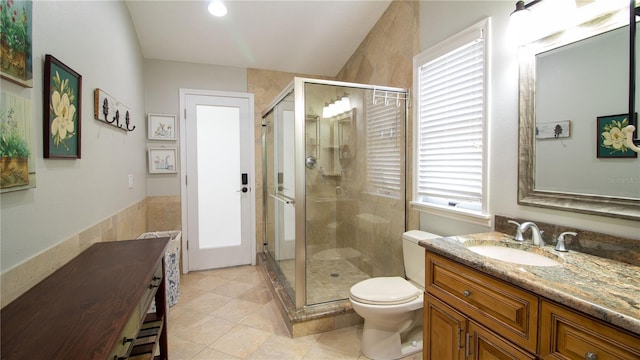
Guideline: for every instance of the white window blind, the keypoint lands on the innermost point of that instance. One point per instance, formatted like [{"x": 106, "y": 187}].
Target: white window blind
[
  {"x": 384, "y": 146},
  {"x": 451, "y": 111}
]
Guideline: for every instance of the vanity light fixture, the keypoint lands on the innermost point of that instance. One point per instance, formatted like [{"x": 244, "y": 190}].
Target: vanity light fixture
[
  {"x": 520, "y": 21},
  {"x": 521, "y": 10},
  {"x": 217, "y": 8},
  {"x": 336, "y": 107}
]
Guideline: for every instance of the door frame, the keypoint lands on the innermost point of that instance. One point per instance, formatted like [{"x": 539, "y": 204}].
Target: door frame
[{"x": 183, "y": 168}]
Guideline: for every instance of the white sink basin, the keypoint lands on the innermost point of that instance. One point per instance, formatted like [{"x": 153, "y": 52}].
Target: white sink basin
[{"x": 512, "y": 255}]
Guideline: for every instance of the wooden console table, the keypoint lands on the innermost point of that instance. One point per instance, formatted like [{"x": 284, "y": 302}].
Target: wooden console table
[{"x": 94, "y": 307}]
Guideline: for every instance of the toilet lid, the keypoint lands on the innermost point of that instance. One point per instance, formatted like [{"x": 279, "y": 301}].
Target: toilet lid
[{"x": 384, "y": 290}]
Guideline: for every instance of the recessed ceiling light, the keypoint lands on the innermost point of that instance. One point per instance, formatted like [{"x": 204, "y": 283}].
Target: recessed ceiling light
[{"x": 217, "y": 8}]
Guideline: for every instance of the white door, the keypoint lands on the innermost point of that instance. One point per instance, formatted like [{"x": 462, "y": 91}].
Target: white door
[{"x": 218, "y": 149}]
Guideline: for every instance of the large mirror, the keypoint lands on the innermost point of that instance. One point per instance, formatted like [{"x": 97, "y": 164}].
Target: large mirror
[{"x": 573, "y": 85}]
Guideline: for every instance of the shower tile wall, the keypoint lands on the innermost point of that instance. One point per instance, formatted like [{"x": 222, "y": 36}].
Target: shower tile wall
[{"x": 384, "y": 57}]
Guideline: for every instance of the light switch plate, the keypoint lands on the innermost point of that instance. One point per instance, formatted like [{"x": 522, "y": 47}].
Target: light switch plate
[{"x": 130, "y": 181}]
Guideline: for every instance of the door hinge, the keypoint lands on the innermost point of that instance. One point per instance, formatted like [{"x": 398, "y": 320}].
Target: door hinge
[
  {"x": 185, "y": 180},
  {"x": 187, "y": 245},
  {"x": 185, "y": 113},
  {"x": 460, "y": 338}
]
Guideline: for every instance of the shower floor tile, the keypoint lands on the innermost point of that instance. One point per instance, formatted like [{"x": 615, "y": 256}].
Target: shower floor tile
[{"x": 327, "y": 280}]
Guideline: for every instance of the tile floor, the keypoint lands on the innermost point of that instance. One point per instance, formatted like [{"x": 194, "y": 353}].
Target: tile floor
[{"x": 230, "y": 314}]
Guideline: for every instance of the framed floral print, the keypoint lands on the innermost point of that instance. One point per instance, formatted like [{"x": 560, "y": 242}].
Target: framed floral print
[
  {"x": 161, "y": 127},
  {"x": 611, "y": 140},
  {"x": 61, "y": 110},
  {"x": 17, "y": 159},
  {"x": 16, "y": 60},
  {"x": 162, "y": 161}
]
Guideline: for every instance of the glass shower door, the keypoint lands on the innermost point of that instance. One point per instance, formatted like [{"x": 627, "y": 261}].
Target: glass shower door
[{"x": 280, "y": 185}]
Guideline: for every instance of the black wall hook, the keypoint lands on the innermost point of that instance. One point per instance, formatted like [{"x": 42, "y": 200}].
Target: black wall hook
[
  {"x": 127, "y": 122},
  {"x": 108, "y": 109}
]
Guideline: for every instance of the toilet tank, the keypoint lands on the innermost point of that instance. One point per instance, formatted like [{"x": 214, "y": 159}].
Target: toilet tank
[{"x": 413, "y": 254}]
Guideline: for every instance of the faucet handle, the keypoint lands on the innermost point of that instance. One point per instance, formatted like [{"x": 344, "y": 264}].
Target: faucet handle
[
  {"x": 560, "y": 244},
  {"x": 518, "y": 235}
]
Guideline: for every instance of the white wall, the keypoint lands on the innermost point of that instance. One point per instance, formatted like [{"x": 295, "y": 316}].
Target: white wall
[
  {"x": 96, "y": 39},
  {"x": 163, "y": 80},
  {"x": 438, "y": 21}
]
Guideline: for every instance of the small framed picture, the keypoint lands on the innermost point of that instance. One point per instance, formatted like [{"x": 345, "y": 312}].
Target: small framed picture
[
  {"x": 161, "y": 127},
  {"x": 611, "y": 141},
  {"x": 162, "y": 161},
  {"x": 61, "y": 110}
]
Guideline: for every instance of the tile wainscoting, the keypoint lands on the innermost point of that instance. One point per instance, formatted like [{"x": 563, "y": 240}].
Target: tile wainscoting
[{"x": 154, "y": 213}]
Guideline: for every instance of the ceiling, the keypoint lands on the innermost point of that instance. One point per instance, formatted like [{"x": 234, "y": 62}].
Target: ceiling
[{"x": 299, "y": 36}]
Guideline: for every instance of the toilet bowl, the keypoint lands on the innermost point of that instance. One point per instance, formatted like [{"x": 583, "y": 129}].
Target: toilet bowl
[{"x": 392, "y": 306}]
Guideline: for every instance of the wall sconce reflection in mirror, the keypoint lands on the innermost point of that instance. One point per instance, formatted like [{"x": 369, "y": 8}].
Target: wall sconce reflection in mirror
[{"x": 109, "y": 110}]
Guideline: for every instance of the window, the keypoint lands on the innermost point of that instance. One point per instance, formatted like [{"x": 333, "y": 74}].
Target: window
[
  {"x": 451, "y": 118},
  {"x": 385, "y": 132}
]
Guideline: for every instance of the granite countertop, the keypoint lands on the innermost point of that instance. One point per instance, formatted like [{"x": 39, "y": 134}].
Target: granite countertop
[{"x": 605, "y": 289}]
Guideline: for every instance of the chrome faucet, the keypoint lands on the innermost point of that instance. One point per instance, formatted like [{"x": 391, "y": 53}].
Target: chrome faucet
[
  {"x": 518, "y": 235},
  {"x": 560, "y": 245},
  {"x": 536, "y": 235}
]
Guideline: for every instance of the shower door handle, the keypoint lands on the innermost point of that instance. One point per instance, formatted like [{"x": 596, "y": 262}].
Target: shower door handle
[
  {"x": 284, "y": 199},
  {"x": 310, "y": 162}
]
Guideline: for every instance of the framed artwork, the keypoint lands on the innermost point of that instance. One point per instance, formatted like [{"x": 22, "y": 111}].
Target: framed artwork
[
  {"x": 611, "y": 141},
  {"x": 161, "y": 127},
  {"x": 17, "y": 159},
  {"x": 61, "y": 110},
  {"x": 162, "y": 161},
  {"x": 16, "y": 61}
]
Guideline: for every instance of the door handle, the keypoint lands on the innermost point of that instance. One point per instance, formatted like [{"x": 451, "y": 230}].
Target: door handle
[
  {"x": 244, "y": 189},
  {"x": 284, "y": 199}
]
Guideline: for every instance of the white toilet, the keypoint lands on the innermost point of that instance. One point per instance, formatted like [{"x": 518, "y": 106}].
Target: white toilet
[{"x": 392, "y": 306}]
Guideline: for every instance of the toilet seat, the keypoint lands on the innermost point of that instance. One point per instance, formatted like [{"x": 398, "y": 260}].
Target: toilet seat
[{"x": 384, "y": 291}]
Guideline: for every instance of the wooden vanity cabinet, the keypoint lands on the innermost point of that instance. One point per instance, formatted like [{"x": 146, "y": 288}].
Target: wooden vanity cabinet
[
  {"x": 509, "y": 311},
  {"x": 566, "y": 334},
  {"x": 469, "y": 315}
]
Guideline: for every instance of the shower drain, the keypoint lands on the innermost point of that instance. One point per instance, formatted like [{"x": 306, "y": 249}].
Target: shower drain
[{"x": 335, "y": 275}]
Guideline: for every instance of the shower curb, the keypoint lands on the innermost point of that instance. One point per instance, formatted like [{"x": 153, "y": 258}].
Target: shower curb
[{"x": 312, "y": 319}]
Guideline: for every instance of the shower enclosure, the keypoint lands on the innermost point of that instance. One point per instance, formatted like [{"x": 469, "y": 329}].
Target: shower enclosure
[{"x": 334, "y": 186}]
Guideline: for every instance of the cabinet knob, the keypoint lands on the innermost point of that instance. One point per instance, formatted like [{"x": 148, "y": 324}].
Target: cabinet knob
[
  {"x": 590, "y": 356},
  {"x": 466, "y": 293}
]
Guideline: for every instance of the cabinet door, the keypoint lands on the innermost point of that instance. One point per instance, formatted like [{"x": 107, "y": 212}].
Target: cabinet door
[
  {"x": 566, "y": 334},
  {"x": 444, "y": 331},
  {"x": 484, "y": 345},
  {"x": 507, "y": 310}
]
